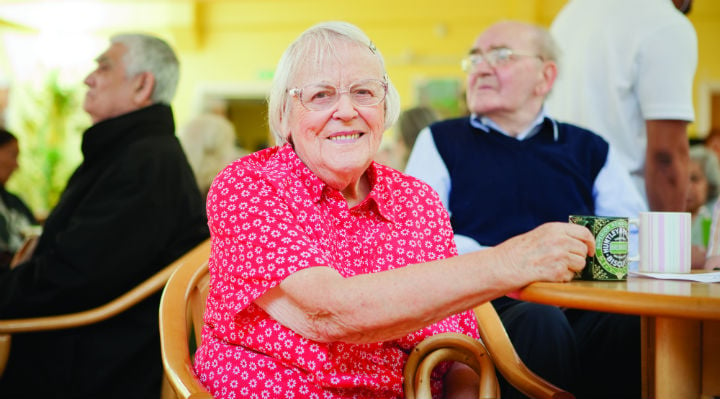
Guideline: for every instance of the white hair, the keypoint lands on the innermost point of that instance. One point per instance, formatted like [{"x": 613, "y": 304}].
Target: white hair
[{"x": 147, "y": 53}]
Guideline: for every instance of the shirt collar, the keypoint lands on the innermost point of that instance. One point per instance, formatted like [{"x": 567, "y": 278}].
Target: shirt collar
[
  {"x": 486, "y": 124},
  {"x": 300, "y": 171},
  {"x": 380, "y": 193}
]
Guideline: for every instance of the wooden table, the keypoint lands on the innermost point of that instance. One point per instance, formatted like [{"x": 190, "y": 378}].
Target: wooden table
[{"x": 680, "y": 328}]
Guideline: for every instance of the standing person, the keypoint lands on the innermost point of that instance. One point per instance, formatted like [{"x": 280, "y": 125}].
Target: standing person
[
  {"x": 128, "y": 210},
  {"x": 510, "y": 167},
  {"x": 628, "y": 70},
  {"x": 326, "y": 267},
  {"x": 17, "y": 221}
]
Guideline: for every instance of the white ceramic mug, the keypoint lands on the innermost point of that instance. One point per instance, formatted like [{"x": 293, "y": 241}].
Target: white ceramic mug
[{"x": 663, "y": 242}]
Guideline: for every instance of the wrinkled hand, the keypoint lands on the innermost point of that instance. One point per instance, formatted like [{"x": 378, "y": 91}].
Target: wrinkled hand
[{"x": 550, "y": 252}]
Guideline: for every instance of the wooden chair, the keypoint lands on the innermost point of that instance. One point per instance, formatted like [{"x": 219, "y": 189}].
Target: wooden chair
[
  {"x": 181, "y": 312},
  {"x": 495, "y": 351},
  {"x": 120, "y": 304}
]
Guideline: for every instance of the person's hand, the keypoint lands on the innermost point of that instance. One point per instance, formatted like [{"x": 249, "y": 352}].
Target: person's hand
[
  {"x": 25, "y": 251},
  {"x": 461, "y": 382},
  {"x": 697, "y": 257},
  {"x": 550, "y": 252}
]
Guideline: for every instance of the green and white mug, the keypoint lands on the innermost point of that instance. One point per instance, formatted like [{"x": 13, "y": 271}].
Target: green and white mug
[{"x": 611, "y": 247}]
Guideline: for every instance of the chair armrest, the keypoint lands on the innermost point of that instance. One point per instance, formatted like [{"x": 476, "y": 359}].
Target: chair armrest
[
  {"x": 78, "y": 319},
  {"x": 447, "y": 347},
  {"x": 94, "y": 315},
  {"x": 507, "y": 361},
  {"x": 176, "y": 313}
]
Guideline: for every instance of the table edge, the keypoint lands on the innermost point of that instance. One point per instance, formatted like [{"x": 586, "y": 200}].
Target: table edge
[{"x": 628, "y": 302}]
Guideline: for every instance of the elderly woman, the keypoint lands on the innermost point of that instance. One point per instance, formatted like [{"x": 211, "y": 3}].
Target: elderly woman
[{"x": 328, "y": 268}]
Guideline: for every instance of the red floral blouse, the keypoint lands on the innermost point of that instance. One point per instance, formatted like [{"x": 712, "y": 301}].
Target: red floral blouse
[{"x": 269, "y": 217}]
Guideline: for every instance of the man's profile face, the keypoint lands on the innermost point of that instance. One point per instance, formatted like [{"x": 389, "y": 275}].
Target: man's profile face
[{"x": 110, "y": 92}]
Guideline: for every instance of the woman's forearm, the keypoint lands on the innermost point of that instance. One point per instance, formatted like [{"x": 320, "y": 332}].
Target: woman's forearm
[{"x": 321, "y": 305}]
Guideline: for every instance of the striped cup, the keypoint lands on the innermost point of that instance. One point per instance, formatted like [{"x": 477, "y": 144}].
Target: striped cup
[{"x": 663, "y": 242}]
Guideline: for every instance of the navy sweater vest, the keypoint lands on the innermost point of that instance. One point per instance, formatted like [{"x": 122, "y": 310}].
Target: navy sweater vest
[{"x": 501, "y": 187}]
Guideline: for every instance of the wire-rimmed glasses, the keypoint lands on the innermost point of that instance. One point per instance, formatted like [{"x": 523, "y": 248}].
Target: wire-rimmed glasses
[
  {"x": 494, "y": 58},
  {"x": 322, "y": 96}
]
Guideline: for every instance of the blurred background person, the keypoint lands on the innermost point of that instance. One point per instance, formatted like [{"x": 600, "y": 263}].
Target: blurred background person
[
  {"x": 410, "y": 123},
  {"x": 17, "y": 221},
  {"x": 702, "y": 193},
  {"x": 632, "y": 84},
  {"x": 130, "y": 209},
  {"x": 209, "y": 142},
  {"x": 712, "y": 141},
  {"x": 394, "y": 152}
]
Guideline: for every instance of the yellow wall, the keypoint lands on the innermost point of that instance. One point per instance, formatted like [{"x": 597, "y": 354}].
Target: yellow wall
[
  {"x": 242, "y": 41},
  {"x": 239, "y": 42}
]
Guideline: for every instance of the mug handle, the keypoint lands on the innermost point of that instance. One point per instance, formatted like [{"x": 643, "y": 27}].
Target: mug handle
[{"x": 636, "y": 222}]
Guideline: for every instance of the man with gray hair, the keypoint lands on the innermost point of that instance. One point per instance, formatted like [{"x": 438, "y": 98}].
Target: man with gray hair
[
  {"x": 129, "y": 209},
  {"x": 509, "y": 167}
]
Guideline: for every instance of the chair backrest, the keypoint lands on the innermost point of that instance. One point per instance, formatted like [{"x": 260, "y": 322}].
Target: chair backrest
[
  {"x": 181, "y": 311},
  {"x": 91, "y": 316}
]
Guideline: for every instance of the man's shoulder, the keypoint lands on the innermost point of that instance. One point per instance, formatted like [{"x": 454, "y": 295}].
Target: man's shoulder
[
  {"x": 153, "y": 151},
  {"x": 583, "y": 141},
  {"x": 579, "y": 132},
  {"x": 449, "y": 130},
  {"x": 452, "y": 123}
]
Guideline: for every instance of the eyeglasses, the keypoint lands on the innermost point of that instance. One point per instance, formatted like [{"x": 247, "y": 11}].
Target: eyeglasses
[
  {"x": 319, "y": 96},
  {"x": 494, "y": 58}
]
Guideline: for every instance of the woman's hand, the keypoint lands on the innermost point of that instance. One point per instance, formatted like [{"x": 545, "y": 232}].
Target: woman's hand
[{"x": 550, "y": 252}]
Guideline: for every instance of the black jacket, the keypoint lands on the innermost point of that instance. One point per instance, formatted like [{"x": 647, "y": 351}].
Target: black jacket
[{"x": 130, "y": 208}]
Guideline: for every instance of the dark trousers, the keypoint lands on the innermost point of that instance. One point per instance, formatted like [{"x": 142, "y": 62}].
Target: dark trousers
[{"x": 590, "y": 354}]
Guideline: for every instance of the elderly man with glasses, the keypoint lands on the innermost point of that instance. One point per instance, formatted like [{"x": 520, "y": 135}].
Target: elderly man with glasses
[{"x": 510, "y": 167}]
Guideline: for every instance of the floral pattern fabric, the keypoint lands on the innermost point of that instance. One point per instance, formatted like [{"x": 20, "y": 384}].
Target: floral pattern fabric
[{"x": 269, "y": 217}]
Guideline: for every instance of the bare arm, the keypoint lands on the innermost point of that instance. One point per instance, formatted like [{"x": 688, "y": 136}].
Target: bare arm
[
  {"x": 666, "y": 164},
  {"x": 321, "y": 305}
]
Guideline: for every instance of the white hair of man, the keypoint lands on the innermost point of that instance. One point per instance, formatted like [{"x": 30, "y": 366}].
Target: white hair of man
[
  {"x": 147, "y": 53},
  {"x": 547, "y": 48},
  {"x": 314, "y": 45}
]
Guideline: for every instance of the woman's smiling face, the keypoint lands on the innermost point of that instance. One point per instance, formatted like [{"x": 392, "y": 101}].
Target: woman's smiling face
[{"x": 338, "y": 143}]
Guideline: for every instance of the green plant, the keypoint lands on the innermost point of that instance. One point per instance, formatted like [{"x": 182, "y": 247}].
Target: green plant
[{"x": 48, "y": 120}]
